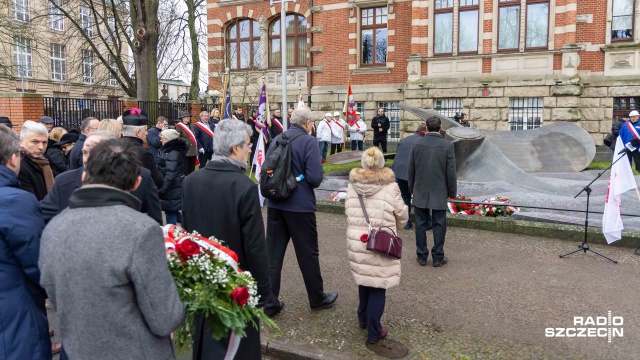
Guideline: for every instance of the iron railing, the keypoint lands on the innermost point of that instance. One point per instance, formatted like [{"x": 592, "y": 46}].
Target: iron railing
[
  {"x": 168, "y": 109},
  {"x": 69, "y": 112}
]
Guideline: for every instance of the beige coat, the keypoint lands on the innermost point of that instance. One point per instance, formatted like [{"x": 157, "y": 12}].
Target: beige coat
[{"x": 385, "y": 207}]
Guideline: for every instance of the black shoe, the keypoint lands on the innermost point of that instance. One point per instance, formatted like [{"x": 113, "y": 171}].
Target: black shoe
[
  {"x": 429, "y": 227},
  {"x": 443, "y": 262},
  {"x": 328, "y": 300},
  {"x": 422, "y": 262},
  {"x": 271, "y": 312},
  {"x": 408, "y": 225}
]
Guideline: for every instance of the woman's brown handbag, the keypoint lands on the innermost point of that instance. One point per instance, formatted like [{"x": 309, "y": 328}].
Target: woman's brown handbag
[{"x": 381, "y": 241}]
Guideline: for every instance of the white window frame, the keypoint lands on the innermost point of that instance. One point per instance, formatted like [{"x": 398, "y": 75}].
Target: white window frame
[
  {"x": 447, "y": 106},
  {"x": 112, "y": 64},
  {"x": 551, "y": 23},
  {"x": 373, "y": 27},
  {"x": 56, "y": 18},
  {"x": 58, "y": 62},
  {"x": 21, "y": 10},
  {"x": 525, "y": 113},
  {"x": 22, "y": 57},
  {"x": 88, "y": 69},
  {"x": 85, "y": 21},
  {"x": 111, "y": 28}
]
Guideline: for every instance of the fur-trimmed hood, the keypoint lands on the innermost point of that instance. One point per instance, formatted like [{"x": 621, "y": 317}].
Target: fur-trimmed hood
[{"x": 369, "y": 181}]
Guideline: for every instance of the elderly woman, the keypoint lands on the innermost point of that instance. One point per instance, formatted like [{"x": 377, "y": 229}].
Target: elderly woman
[
  {"x": 374, "y": 273},
  {"x": 111, "y": 125},
  {"x": 58, "y": 154},
  {"x": 222, "y": 188}
]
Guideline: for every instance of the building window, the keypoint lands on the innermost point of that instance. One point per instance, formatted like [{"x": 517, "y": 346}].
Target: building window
[
  {"x": 88, "y": 71},
  {"x": 85, "y": 21},
  {"x": 373, "y": 31},
  {"x": 58, "y": 62},
  {"x": 536, "y": 29},
  {"x": 468, "y": 26},
  {"x": 111, "y": 28},
  {"x": 447, "y": 107},
  {"x": 112, "y": 64},
  {"x": 525, "y": 113},
  {"x": 296, "y": 28},
  {"x": 466, "y": 32},
  {"x": 243, "y": 44},
  {"x": 56, "y": 18},
  {"x": 22, "y": 57},
  {"x": 392, "y": 111},
  {"x": 443, "y": 41},
  {"x": 622, "y": 106},
  {"x": 622, "y": 20},
  {"x": 21, "y": 10}
]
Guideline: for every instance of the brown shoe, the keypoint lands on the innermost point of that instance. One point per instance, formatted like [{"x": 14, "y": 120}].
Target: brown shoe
[
  {"x": 55, "y": 348},
  {"x": 388, "y": 348}
]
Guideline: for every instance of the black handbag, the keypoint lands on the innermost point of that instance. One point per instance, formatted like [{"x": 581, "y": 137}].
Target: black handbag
[{"x": 380, "y": 241}]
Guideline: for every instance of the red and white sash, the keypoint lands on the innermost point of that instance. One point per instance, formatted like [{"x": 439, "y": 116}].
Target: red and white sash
[
  {"x": 205, "y": 129},
  {"x": 337, "y": 123},
  {"x": 632, "y": 129},
  {"x": 328, "y": 123},
  {"x": 187, "y": 130},
  {"x": 277, "y": 123}
]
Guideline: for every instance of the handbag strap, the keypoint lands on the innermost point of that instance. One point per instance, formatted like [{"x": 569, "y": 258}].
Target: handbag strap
[{"x": 364, "y": 210}]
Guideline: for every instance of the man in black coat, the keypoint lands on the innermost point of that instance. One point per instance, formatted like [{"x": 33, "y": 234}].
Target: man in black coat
[
  {"x": 221, "y": 201},
  {"x": 399, "y": 167},
  {"x": 380, "y": 125},
  {"x": 203, "y": 131},
  {"x": 87, "y": 126},
  {"x": 35, "y": 174},
  {"x": 134, "y": 131},
  {"x": 66, "y": 183},
  {"x": 153, "y": 138},
  {"x": 432, "y": 178}
]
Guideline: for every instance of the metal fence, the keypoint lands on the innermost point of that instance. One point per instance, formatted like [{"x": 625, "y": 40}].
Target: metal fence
[
  {"x": 168, "y": 109},
  {"x": 69, "y": 112}
]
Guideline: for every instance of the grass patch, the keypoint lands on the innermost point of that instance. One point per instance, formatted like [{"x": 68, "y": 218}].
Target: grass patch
[{"x": 601, "y": 165}]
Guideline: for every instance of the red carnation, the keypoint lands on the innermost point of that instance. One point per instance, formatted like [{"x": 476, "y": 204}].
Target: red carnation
[
  {"x": 187, "y": 248},
  {"x": 364, "y": 238},
  {"x": 240, "y": 295}
]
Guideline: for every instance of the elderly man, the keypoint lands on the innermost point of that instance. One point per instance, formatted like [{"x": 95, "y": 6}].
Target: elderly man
[
  {"x": 117, "y": 290},
  {"x": 295, "y": 217},
  {"x": 47, "y": 121},
  {"x": 35, "y": 174},
  {"x": 337, "y": 133},
  {"x": 323, "y": 134},
  {"x": 153, "y": 137},
  {"x": 222, "y": 188},
  {"x": 87, "y": 126},
  {"x": 629, "y": 135},
  {"x": 24, "y": 329},
  {"x": 357, "y": 130},
  {"x": 203, "y": 131},
  {"x": 134, "y": 131},
  {"x": 66, "y": 183},
  {"x": 275, "y": 123}
]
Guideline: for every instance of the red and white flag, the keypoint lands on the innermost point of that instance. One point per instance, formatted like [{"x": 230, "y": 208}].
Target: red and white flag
[
  {"x": 621, "y": 180},
  {"x": 258, "y": 159}
]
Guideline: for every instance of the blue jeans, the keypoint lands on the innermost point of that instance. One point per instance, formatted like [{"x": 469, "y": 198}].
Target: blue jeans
[
  {"x": 370, "y": 310},
  {"x": 324, "y": 146},
  {"x": 173, "y": 217},
  {"x": 359, "y": 143}
]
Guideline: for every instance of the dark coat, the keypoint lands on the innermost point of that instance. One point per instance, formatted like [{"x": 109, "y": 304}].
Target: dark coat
[
  {"x": 615, "y": 131},
  {"x": 192, "y": 151},
  {"x": 154, "y": 143},
  {"x": 305, "y": 160},
  {"x": 204, "y": 141},
  {"x": 24, "y": 329},
  {"x": 432, "y": 172},
  {"x": 275, "y": 130},
  {"x": 58, "y": 198},
  {"x": 220, "y": 200},
  {"x": 171, "y": 165},
  {"x": 146, "y": 159},
  {"x": 401, "y": 161},
  {"x": 32, "y": 179},
  {"x": 380, "y": 122},
  {"x": 57, "y": 159},
  {"x": 75, "y": 155}
]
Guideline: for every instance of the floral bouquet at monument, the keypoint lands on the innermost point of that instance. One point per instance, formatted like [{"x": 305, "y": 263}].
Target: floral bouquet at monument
[
  {"x": 211, "y": 284},
  {"x": 461, "y": 208},
  {"x": 495, "y": 207}
]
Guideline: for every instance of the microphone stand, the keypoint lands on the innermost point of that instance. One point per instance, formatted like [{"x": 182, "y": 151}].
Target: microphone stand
[{"x": 587, "y": 189}]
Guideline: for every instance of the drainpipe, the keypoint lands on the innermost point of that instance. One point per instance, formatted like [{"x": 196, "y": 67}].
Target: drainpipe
[{"x": 310, "y": 74}]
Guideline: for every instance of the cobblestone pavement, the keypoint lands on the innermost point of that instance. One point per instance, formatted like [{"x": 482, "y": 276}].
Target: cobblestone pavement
[{"x": 492, "y": 301}]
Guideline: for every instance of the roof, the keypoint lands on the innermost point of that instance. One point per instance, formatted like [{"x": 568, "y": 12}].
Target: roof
[{"x": 172, "y": 82}]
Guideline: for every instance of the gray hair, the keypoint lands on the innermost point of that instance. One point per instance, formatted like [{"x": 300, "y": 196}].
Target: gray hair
[
  {"x": 30, "y": 127},
  {"x": 9, "y": 144},
  {"x": 86, "y": 122},
  {"x": 104, "y": 134},
  {"x": 301, "y": 115},
  {"x": 229, "y": 133},
  {"x": 130, "y": 130},
  {"x": 204, "y": 112}
]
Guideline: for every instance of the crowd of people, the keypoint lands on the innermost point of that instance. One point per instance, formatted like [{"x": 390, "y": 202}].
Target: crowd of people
[{"x": 87, "y": 236}]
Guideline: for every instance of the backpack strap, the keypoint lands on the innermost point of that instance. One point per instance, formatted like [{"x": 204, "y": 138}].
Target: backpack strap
[{"x": 284, "y": 136}]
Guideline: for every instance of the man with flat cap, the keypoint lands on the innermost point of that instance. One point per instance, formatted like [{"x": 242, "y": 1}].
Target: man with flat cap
[
  {"x": 47, "y": 121},
  {"x": 134, "y": 130},
  {"x": 5, "y": 121}
]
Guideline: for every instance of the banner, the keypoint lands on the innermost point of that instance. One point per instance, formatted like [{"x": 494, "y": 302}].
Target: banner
[
  {"x": 258, "y": 160},
  {"x": 621, "y": 180},
  {"x": 262, "y": 114},
  {"x": 350, "y": 106}
]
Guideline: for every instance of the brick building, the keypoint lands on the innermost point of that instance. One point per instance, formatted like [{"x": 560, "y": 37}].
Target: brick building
[{"x": 508, "y": 64}]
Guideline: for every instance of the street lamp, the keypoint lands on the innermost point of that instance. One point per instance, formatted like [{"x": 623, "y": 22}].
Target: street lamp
[{"x": 214, "y": 95}]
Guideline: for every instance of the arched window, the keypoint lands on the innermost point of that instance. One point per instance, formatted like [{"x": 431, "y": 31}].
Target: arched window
[
  {"x": 243, "y": 44},
  {"x": 296, "y": 27}
]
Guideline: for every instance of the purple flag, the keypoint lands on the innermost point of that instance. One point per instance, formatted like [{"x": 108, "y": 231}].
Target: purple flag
[{"x": 263, "y": 111}]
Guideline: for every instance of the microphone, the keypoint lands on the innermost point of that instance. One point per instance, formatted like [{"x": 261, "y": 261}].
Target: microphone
[{"x": 628, "y": 148}]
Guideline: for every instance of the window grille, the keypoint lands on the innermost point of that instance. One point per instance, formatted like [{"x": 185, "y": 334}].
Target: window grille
[
  {"x": 392, "y": 111},
  {"x": 525, "y": 113},
  {"x": 447, "y": 107},
  {"x": 623, "y": 105},
  {"x": 22, "y": 57},
  {"x": 58, "y": 62}
]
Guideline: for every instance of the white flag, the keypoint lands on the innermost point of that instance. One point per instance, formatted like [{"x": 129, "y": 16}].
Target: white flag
[
  {"x": 621, "y": 180},
  {"x": 258, "y": 160}
]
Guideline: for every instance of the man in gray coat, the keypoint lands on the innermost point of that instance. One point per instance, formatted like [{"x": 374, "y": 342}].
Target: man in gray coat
[
  {"x": 104, "y": 268},
  {"x": 432, "y": 178}
]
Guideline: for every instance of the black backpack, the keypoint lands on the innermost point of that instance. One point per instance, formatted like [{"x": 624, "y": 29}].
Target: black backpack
[{"x": 276, "y": 177}]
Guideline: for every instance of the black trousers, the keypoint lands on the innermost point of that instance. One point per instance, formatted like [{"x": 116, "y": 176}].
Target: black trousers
[
  {"x": 336, "y": 148},
  {"x": 438, "y": 220},
  {"x": 205, "y": 347},
  {"x": 301, "y": 228},
  {"x": 382, "y": 141},
  {"x": 204, "y": 158},
  {"x": 190, "y": 165},
  {"x": 406, "y": 195},
  {"x": 635, "y": 155},
  {"x": 370, "y": 310}
]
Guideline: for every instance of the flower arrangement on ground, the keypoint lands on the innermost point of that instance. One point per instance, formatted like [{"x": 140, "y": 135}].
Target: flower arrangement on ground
[
  {"x": 462, "y": 208},
  {"x": 487, "y": 207},
  {"x": 210, "y": 283}
]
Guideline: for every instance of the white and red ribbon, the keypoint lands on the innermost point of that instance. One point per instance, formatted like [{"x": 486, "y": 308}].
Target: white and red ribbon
[{"x": 186, "y": 129}]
